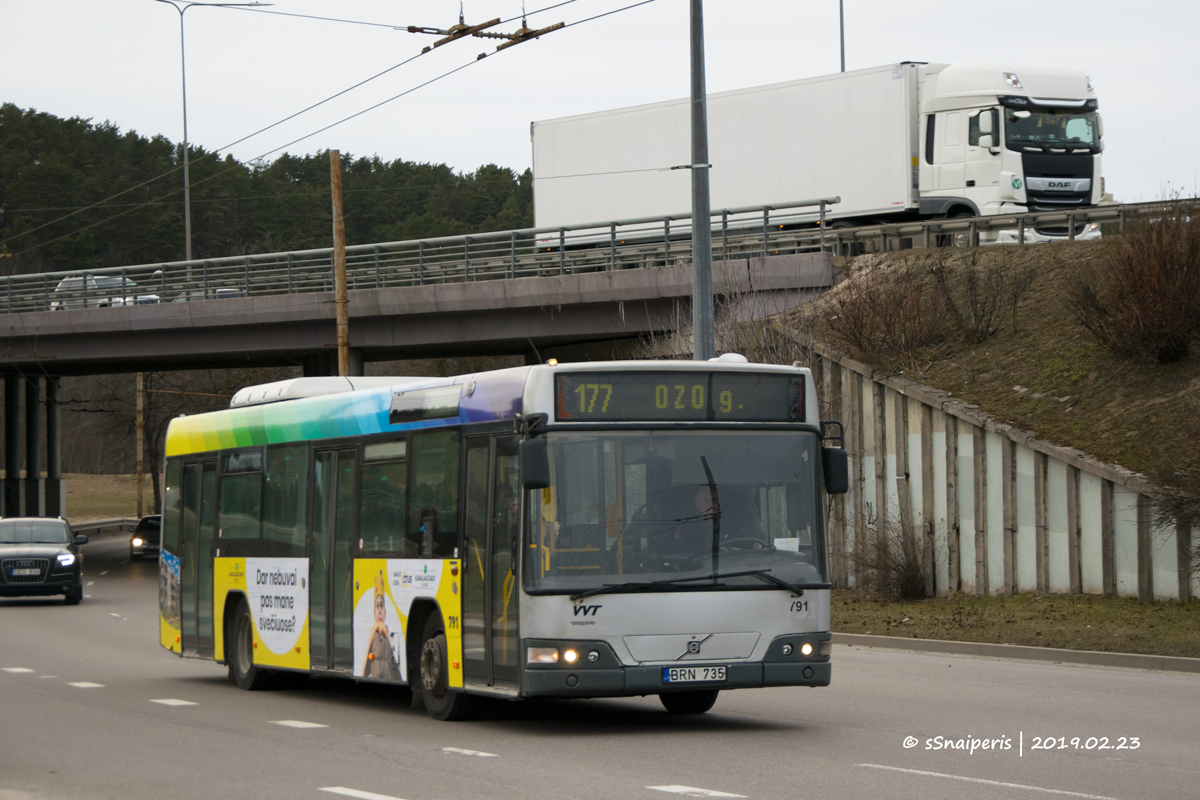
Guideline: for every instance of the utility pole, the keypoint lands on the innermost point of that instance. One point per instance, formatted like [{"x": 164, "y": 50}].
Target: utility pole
[
  {"x": 703, "y": 337},
  {"x": 339, "y": 265},
  {"x": 842, "y": 28},
  {"x": 140, "y": 425}
]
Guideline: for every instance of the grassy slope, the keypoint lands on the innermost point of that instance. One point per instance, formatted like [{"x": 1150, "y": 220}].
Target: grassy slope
[
  {"x": 1047, "y": 376},
  {"x": 1076, "y": 394}
]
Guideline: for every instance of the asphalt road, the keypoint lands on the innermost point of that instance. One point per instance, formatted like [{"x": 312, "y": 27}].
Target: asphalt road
[{"x": 92, "y": 707}]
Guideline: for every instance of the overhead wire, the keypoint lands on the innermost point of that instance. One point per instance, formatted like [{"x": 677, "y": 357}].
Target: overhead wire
[{"x": 297, "y": 140}]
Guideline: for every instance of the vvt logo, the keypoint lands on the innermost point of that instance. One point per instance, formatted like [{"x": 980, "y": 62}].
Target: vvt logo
[{"x": 587, "y": 610}]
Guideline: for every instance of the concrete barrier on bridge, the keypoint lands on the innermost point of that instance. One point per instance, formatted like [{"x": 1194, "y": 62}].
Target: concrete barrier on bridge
[{"x": 994, "y": 509}]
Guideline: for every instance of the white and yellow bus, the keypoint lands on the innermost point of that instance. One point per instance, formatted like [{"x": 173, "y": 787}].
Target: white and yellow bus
[{"x": 577, "y": 530}]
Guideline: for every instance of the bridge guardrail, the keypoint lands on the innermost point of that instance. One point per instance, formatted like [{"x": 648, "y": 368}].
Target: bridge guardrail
[{"x": 623, "y": 244}]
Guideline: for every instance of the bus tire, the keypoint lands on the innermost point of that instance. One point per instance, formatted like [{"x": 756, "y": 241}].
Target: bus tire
[
  {"x": 242, "y": 669},
  {"x": 694, "y": 702},
  {"x": 441, "y": 701}
]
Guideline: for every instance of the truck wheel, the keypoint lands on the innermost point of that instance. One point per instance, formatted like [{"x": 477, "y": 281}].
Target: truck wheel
[
  {"x": 696, "y": 702},
  {"x": 441, "y": 701},
  {"x": 959, "y": 239},
  {"x": 240, "y": 655}
]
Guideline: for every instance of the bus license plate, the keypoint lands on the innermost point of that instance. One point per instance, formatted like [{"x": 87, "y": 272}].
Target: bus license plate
[
  {"x": 34, "y": 571},
  {"x": 693, "y": 674}
]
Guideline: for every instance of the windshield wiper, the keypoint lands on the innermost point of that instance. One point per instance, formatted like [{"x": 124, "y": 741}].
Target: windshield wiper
[{"x": 761, "y": 574}]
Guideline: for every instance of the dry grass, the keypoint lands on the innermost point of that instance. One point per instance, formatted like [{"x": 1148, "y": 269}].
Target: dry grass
[
  {"x": 1074, "y": 622},
  {"x": 92, "y": 497}
]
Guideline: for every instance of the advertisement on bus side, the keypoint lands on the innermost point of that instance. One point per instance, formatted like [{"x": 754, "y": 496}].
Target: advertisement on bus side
[
  {"x": 384, "y": 593},
  {"x": 276, "y": 589}
]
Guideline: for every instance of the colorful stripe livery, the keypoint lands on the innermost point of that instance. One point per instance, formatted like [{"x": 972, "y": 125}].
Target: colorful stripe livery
[{"x": 489, "y": 396}]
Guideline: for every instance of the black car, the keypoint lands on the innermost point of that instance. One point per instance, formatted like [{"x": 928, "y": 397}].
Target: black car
[
  {"x": 39, "y": 556},
  {"x": 146, "y": 536}
]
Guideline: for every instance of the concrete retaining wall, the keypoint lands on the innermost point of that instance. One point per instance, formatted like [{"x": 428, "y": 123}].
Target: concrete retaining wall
[{"x": 992, "y": 509}]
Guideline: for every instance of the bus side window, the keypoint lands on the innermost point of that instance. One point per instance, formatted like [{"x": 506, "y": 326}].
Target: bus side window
[
  {"x": 172, "y": 507},
  {"x": 433, "y": 498},
  {"x": 241, "y": 496},
  {"x": 286, "y": 497}
]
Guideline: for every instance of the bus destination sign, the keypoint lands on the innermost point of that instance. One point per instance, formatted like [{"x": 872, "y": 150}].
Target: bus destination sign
[{"x": 691, "y": 396}]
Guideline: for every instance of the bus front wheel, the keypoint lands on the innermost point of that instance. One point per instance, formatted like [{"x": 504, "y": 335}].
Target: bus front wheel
[
  {"x": 441, "y": 701},
  {"x": 240, "y": 655},
  {"x": 696, "y": 702}
]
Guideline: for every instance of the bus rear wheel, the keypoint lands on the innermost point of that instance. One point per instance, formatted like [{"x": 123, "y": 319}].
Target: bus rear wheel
[
  {"x": 441, "y": 701},
  {"x": 695, "y": 702},
  {"x": 240, "y": 655}
]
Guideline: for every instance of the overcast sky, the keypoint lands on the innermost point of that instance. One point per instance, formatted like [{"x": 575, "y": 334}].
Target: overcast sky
[{"x": 119, "y": 60}]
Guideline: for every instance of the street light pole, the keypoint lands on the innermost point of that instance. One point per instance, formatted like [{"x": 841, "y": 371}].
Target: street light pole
[
  {"x": 703, "y": 336},
  {"x": 181, "y": 7},
  {"x": 842, "y": 28}
]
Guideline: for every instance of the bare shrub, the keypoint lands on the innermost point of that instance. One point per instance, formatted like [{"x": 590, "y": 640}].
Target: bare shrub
[
  {"x": 746, "y": 320},
  {"x": 1177, "y": 493},
  {"x": 978, "y": 293},
  {"x": 892, "y": 563},
  {"x": 884, "y": 316},
  {"x": 1142, "y": 298}
]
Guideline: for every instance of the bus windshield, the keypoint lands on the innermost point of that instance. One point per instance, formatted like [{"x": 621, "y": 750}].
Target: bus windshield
[{"x": 662, "y": 510}]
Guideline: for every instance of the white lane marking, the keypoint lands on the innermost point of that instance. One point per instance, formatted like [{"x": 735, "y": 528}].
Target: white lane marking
[
  {"x": 460, "y": 751},
  {"x": 692, "y": 791},
  {"x": 991, "y": 783},
  {"x": 86, "y": 685},
  {"x": 104, "y": 573},
  {"x": 342, "y": 790},
  {"x": 47, "y": 676},
  {"x": 113, "y": 615},
  {"x": 91, "y": 583},
  {"x": 167, "y": 701},
  {"x": 295, "y": 723},
  {"x": 17, "y": 669}
]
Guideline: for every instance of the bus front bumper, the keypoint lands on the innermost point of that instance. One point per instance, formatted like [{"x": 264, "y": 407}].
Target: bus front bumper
[{"x": 609, "y": 678}]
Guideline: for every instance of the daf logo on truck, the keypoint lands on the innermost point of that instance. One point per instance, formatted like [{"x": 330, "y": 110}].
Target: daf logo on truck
[{"x": 1058, "y": 185}]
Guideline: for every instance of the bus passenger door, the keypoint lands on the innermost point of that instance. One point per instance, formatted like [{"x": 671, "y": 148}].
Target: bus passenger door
[
  {"x": 330, "y": 616},
  {"x": 195, "y": 556},
  {"x": 491, "y": 649},
  {"x": 504, "y": 548}
]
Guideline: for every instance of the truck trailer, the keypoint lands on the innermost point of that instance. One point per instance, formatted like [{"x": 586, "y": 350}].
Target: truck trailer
[{"x": 898, "y": 142}]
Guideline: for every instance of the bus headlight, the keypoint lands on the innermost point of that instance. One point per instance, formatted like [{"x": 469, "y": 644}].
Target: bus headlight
[
  {"x": 806, "y": 649},
  {"x": 543, "y": 655},
  {"x": 571, "y": 656}
]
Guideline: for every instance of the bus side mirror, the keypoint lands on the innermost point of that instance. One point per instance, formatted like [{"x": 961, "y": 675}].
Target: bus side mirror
[
  {"x": 535, "y": 464},
  {"x": 837, "y": 470}
]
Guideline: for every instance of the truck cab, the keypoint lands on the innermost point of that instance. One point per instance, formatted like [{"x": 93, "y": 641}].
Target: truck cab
[{"x": 1007, "y": 138}]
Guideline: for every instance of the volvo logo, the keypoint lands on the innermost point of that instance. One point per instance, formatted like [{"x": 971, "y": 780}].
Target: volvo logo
[{"x": 693, "y": 647}]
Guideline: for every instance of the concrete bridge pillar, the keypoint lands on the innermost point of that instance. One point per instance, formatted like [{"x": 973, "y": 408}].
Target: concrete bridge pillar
[
  {"x": 32, "y": 489},
  {"x": 56, "y": 490},
  {"x": 32, "y": 495},
  {"x": 11, "y": 501}
]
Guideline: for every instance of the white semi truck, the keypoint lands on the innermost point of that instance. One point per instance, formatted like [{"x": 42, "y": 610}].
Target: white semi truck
[{"x": 902, "y": 141}]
